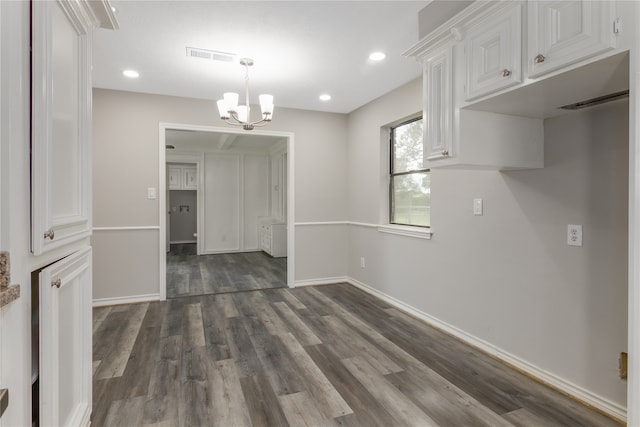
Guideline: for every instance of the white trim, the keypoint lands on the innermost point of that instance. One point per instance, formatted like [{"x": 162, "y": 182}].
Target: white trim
[
  {"x": 605, "y": 405},
  {"x": 179, "y": 242},
  {"x": 633, "y": 316},
  {"x": 364, "y": 224},
  {"x": 401, "y": 230},
  {"x": 318, "y": 282},
  {"x": 101, "y": 302},
  {"x": 420, "y": 233},
  {"x": 311, "y": 223},
  {"x": 232, "y": 251},
  {"x": 128, "y": 228}
]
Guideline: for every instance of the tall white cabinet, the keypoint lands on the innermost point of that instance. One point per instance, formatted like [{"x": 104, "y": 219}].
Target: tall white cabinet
[
  {"x": 61, "y": 202},
  {"x": 61, "y": 127}
]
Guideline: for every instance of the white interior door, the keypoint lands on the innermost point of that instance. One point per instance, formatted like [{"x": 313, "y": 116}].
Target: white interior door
[{"x": 65, "y": 341}]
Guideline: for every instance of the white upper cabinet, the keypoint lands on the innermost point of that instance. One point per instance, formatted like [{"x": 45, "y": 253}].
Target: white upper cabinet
[
  {"x": 189, "y": 178},
  {"x": 492, "y": 75},
  {"x": 564, "y": 32},
  {"x": 438, "y": 102},
  {"x": 174, "y": 177},
  {"x": 61, "y": 133},
  {"x": 182, "y": 177},
  {"x": 493, "y": 53}
]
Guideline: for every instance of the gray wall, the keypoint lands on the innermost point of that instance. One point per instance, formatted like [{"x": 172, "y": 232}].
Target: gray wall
[
  {"x": 508, "y": 277},
  {"x": 125, "y": 131}
]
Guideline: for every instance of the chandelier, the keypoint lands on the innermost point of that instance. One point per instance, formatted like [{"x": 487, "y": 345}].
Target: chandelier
[{"x": 240, "y": 115}]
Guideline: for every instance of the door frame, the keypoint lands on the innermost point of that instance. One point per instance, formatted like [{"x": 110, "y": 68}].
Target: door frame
[{"x": 162, "y": 203}]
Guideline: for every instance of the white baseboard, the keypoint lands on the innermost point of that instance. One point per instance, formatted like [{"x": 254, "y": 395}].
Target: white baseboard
[
  {"x": 101, "y": 302},
  {"x": 613, "y": 409},
  {"x": 324, "y": 281}
]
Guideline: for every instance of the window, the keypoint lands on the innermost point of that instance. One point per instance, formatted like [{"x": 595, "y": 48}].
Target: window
[{"x": 409, "y": 189}]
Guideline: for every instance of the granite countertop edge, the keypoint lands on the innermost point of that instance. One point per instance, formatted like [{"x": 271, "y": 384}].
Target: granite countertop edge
[{"x": 9, "y": 294}]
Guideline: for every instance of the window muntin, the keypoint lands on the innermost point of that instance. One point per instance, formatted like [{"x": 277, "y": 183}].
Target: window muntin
[{"x": 409, "y": 189}]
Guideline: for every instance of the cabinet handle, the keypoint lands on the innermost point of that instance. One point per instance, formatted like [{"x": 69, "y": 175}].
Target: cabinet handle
[
  {"x": 539, "y": 59},
  {"x": 445, "y": 152},
  {"x": 49, "y": 234},
  {"x": 506, "y": 73},
  {"x": 57, "y": 283}
]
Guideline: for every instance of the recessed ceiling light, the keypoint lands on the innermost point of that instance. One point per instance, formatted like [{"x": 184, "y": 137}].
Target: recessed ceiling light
[
  {"x": 325, "y": 97},
  {"x": 377, "y": 56},
  {"x": 132, "y": 74},
  {"x": 114, "y": 10}
]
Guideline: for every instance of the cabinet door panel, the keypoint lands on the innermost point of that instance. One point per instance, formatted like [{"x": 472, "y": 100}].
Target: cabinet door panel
[
  {"x": 65, "y": 341},
  {"x": 565, "y": 32},
  {"x": 438, "y": 104},
  {"x": 190, "y": 181},
  {"x": 61, "y": 105},
  {"x": 174, "y": 176},
  {"x": 494, "y": 54}
]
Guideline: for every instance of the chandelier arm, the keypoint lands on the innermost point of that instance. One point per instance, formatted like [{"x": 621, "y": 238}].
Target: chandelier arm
[
  {"x": 233, "y": 115},
  {"x": 246, "y": 87}
]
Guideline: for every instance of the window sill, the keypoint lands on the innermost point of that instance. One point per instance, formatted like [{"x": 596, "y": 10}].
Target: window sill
[{"x": 419, "y": 233}]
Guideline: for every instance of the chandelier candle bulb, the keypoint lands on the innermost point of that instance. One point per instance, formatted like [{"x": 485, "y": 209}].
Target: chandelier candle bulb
[
  {"x": 242, "y": 113},
  {"x": 266, "y": 105},
  {"x": 223, "y": 109},
  {"x": 231, "y": 101}
]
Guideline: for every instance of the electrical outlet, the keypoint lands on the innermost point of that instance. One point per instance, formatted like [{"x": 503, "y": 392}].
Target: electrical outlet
[
  {"x": 477, "y": 206},
  {"x": 574, "y": 235},
  {"x": 362, "y": 263}
]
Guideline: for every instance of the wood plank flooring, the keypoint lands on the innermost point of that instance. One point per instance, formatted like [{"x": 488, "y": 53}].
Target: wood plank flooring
[
  {"x": 189, "y": 274},
  {"x": 316, "y": 356}
]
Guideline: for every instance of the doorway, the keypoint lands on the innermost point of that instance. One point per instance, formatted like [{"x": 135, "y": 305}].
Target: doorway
[{"x": 243, "y": 210}]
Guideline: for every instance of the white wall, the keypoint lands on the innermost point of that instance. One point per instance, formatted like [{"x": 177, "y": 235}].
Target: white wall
[
  {"x": 507, "y": 277},
  {"x": 236, "y": 194},
  {"x": 125, "y": 129}
]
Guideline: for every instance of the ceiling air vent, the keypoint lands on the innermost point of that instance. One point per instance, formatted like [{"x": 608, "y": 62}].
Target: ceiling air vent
[
  {"x": 597, "y": 101},
  {"x": 211, "y": 55}
]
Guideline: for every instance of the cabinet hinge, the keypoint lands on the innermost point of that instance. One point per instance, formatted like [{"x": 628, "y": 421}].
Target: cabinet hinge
[{"x": 616, "y": 26}]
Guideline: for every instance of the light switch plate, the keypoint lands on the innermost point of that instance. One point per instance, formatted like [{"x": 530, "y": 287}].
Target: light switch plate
[
  {"x": 151, "y": 193},
  {"x": 574, "y": 235},
  {"x": 477, "y": 206}
]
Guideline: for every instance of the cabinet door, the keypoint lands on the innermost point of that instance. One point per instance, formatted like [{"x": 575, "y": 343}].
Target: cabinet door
[
  {"x": 65, "y": 341},
  {"x": 61, "y": 111},
  {"x": 493, "y": 51},
  {"x": 174, "y": 176},
  {"x": 189, "y": 179},
  {"x": 438, "y": 104},
  {"x": 564, "y": 32}
]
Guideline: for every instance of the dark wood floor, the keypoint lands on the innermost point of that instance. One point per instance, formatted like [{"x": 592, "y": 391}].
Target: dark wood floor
[
  {"x": 315, "y": 356},
  {"x": 189, "y": 274}
]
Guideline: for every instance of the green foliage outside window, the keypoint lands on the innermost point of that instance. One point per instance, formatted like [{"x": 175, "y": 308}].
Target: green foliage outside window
[{"x": 410, "y": 180}]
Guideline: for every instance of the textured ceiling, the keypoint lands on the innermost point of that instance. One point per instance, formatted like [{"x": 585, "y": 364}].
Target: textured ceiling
[{"x": 301, "y": 49}]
